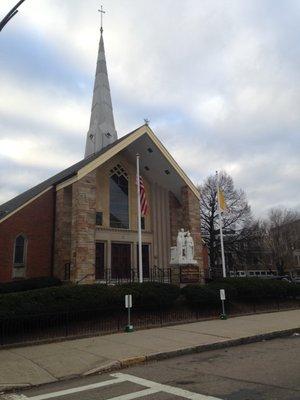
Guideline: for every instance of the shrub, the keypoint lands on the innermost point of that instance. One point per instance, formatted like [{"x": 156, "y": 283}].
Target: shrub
[
  {"x": 240, "y": 289},
  {"x": 200, "y": 296},
  {"x": 151, "y": 294},
  {"x": 28, "y": 284},
  {"x": 257, "y": 289},
  {"x": 104, "y": 299}
]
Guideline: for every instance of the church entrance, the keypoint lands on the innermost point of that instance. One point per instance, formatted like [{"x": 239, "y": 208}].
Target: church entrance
[
  {"x": 120, "y": 260},
  {"x": 99, "y": 261},
  {"x": 145, "y": 259}
]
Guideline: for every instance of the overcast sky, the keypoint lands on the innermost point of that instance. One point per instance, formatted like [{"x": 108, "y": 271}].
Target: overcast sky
[{"x": 218, "y": 79}]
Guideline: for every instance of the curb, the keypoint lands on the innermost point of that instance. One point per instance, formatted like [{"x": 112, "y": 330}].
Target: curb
[
  {"x": 110, "y": 366},
  {"x": 132, "y": 361}
]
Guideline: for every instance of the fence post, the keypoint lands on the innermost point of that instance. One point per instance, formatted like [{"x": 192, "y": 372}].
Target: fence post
[{"x": 2, "y": 332}]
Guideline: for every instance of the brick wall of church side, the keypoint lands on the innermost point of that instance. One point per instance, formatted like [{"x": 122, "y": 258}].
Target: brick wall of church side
[
  {"x": 36, "y": 222},
  {"x": 62, "y": 248},
  {"x": 191, "y": 221},
  {"x": 83, "y": 229}
]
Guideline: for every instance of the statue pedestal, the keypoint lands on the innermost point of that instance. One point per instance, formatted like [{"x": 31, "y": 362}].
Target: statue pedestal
[
  {"x": 189, "y": 273},
  {"x": 184, "y": 274},
  {"x": 185, "y": 269}
]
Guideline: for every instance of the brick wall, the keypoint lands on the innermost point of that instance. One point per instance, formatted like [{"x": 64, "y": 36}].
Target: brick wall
[{"x": 35, "y": 221}]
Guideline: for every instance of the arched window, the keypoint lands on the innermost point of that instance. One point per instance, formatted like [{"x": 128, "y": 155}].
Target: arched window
[
  {"x": 118, "y": 199},
  {"x": 20, "y": 251}
]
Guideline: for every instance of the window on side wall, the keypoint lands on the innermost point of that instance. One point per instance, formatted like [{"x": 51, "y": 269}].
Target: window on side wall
[{"x": 20, "y": 253}]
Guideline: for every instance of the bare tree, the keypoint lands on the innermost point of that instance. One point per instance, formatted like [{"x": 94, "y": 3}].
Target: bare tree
[
  {"x": 236, "y": 221},
  {"x": 281, "y": 236}
]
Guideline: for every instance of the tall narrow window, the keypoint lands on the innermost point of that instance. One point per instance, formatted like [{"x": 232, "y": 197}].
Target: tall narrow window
[
  {"x": 20, "y": 251},
  {"x": 119, "y": 205}
]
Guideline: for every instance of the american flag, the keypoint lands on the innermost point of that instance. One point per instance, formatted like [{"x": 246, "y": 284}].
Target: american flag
[{"x": 143, "y": 198}]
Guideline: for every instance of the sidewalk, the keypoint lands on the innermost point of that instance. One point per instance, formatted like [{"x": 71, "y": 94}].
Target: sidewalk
[{"x": 35, "y": 365}]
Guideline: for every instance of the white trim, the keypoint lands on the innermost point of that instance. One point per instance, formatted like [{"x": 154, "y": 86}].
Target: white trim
[
  {"x": 25, "y": 204},
  {"x": 121, "y": 146},
  {"x": 66, "y": 183}
]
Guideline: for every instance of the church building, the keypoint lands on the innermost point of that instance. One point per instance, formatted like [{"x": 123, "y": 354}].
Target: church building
[{"x": 82, "y": 224}]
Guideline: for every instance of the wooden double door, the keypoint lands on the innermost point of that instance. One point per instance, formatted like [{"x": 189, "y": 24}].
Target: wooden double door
[
  {"x": 121, "y": 265},
  {"x": 120, "y": 261}
]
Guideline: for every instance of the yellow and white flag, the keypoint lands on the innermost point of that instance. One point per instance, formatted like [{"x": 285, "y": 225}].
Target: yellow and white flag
[{"x": 222, "y": 201}]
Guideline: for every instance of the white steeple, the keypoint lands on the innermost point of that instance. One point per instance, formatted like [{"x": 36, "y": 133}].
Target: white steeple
[{"x": 102, "y": 130}]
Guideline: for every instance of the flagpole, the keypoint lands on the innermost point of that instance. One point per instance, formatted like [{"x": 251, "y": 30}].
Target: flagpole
[
  {"x": 139, "y": 218},
  {"x": 221, "y": 228}
]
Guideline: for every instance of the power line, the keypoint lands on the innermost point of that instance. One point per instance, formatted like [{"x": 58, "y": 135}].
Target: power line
[{"x": 10, "y": 15}]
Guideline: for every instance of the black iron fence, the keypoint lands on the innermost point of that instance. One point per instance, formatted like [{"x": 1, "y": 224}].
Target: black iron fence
[
  {"x": 72, "y": 324},
  {"x": 155, "y": 274}
]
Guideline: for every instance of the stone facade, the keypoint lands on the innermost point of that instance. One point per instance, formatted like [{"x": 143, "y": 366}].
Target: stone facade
[
  {"x": 83, "y": 229},
  {"x": 186, "y": 215},
  {"x": 175, "y": 217},
  {"x": 63, "y": 224},
  {"x": 191, "y": 222}
]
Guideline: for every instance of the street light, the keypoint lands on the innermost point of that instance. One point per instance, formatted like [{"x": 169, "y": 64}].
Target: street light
[{"x": 11, "y": 14}]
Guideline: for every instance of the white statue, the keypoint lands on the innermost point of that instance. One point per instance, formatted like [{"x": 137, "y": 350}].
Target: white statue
[
  {"x": 189, "y": 247},
  {"x": 183, "y": 253},
  {"x": 181, "y": 245}
]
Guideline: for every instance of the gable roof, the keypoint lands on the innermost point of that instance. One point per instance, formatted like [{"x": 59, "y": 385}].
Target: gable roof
[{"x": 83, "y": 167}]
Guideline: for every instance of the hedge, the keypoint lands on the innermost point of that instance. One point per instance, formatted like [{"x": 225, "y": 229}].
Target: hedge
[
  {"x": 28, "y": 284},
  {"x": 258, "y": 289},
  {"x": 199, "y": 296},
  {"x": 240, "y": 290},
  {"x": 104, "y": 299}
]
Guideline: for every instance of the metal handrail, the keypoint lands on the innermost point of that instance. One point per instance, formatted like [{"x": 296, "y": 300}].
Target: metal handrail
[{"x": 86, "y": 276}]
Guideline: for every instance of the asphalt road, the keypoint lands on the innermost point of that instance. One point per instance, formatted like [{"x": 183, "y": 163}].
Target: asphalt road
[{"x": 268, "y": 370}]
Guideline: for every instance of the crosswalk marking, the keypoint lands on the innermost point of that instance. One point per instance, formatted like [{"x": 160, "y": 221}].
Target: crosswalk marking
[
  {"x": 135, "y": 395},
  {"x": 151, "y": 388},
  {"x": 164, "y": 388},
  {"x": 77, "y": 389}
]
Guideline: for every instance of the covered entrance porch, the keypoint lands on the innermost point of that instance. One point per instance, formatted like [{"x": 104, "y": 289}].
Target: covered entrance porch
[{"x": 117, "y": 262}]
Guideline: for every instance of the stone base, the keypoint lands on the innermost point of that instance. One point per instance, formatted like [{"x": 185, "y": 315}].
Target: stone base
[
  {"x": 189, "y": 274},
  {"x": 186, "y": 274}
]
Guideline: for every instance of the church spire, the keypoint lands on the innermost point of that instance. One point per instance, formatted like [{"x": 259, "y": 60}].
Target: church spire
[{"x": 102, "y": 130}]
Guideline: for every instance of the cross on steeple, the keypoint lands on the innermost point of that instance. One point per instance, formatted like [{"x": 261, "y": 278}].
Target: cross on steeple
[{"x": 101, "y": 11}]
